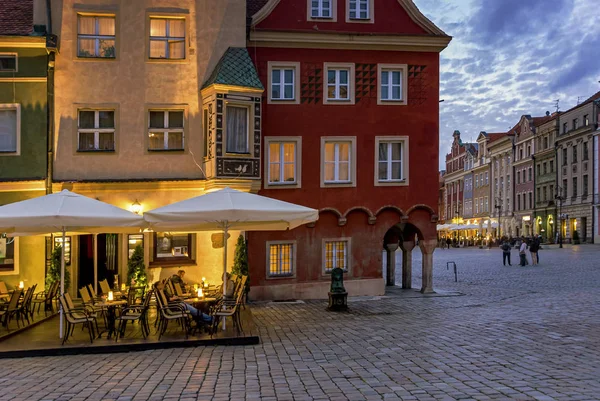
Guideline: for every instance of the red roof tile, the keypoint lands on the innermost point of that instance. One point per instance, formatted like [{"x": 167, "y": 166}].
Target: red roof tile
[
  {"x": 493, "y": 137},
  {"x": 16, "y": 17},
  {"x": 537, "y": 121},
  {"x": 253, "y": 6}
]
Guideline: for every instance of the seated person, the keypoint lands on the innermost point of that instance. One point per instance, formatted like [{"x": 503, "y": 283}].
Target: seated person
[
  {"x": 229, "y": 288},
  {"x": 196, "y": 314},
  {"x": 178, "y": 278}
]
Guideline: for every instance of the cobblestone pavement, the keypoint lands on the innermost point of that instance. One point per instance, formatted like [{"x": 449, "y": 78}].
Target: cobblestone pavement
[{"x": 517, "y": 333}]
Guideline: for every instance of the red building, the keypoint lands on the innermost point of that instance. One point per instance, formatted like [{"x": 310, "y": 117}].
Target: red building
[{"x": 350, "y": 127}]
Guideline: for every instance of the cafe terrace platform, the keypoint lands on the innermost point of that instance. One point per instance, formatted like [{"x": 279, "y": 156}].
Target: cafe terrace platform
[{"x": 41, "y": 338}]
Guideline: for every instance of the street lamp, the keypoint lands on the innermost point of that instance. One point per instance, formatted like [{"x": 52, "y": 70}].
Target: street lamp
[
  {"x": 498, "y": 206},
  {"x": 560, "y": 200}
]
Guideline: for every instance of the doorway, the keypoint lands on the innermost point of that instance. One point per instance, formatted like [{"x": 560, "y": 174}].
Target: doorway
[{"x": 107, "y": 257}]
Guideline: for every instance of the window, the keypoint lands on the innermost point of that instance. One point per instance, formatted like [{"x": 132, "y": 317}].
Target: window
[
  {"x": 585, "y": 151},
  {"x": 336, "y": 254},
  {"x": 574, "y": 123},
  {"x": 338, "y": 160},
  {"x": 486, "y": 178},
  {"x": 507, "y": 182},
  {"x": 237, "y": 130},
  {"x": 8, "y": 62},
  {"x": 283, "y": 82},
  {"x": 167, "y": 38},
  {"x": 528, "y": 150},
  {"x": 530, "y": 200},
  {"x": 574, "y": 154},
  {"x": 551, "y": 166},
  {"x": 551, "y": 190},
  {"x": 486, "y": 203},
  {"x": 282, "y": 162},
  {"x": 7, "y": 255},
  {"x": 545, "y": 193},
  {"x": 530, "y": 174},
  {"x": 585, "y": 185},
  {"x": 564, "y": 156},
  {"x": 564, "y": 190},
  {"x": 545, "y": 167},
  {"x": 574, "y": 194},
  {"x": 133, "y": 241},
  {"x": 172, "y": 249},
  {"x": 281, "y": 260},
  {"x": 539, "y": 191},
  {"x": 520, "y": 153},
  {"x": 321, "y": 8},
  {"x": 390, "y": 161},
  {"x": 480, "y": 205},
  {"x": 165, "y": 130},
  {"x": 96, "y": 36},
  {"x": 338, "y": 84},
  {"x": 565, "y": 128},
  {"x": 586, "y": 120},
  {"x": 96, "y": 131},
  {"x": 518, "y": 201},
  {"x": 10, "y": 128},
  {"x": 518, "y": 177},
  {"x": 391, "y": 158},
  {"x": 476, "y": 181},
  {"x": 545, "y": 142},
  {"x": 391, "y": 85},
  {"x": 359, "y": 9},
  {"x": 476, "y": 206}
]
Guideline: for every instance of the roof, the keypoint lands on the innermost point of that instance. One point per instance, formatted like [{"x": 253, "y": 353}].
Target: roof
[
  {"x": 235, "y": 68},
  {"x": 253, "y": 6},
  {"x": 16, "y": 17},
  {"x": 595, "y": 96},
  {"x": 494, "y": 136},
  {"x": 537, "y": 121}
]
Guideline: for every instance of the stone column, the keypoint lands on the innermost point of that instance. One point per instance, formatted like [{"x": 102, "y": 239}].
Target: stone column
[
  {"x": 390, "y": 250},
  {"x": 427, "y": 248},
  {"x": 407, "y": 248}
]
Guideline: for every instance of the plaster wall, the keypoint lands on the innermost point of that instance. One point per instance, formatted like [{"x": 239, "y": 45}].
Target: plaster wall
[{"x": 131, "y": 84}]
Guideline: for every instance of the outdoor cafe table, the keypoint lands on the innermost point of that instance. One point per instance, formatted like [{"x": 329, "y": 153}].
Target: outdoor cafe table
[
  {"x": 200, "y": 303},
  {"x": 111, "y": 315}
]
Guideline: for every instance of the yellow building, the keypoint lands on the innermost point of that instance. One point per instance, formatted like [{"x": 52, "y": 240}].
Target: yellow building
[{"x": 144, "y": 93}]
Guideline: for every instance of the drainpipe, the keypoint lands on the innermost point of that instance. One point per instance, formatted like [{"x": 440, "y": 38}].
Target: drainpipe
[{"x": 51, "y": 46}]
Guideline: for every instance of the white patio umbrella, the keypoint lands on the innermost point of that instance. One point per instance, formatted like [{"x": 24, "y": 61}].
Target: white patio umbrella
[
  {"x": 227, "y": 209},
  {"x": 65, "y": 211}
]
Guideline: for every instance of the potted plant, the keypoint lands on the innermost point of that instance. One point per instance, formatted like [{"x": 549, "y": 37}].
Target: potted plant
[
  {"x": 54, "y": 271},
  {"x": 240, "y": 261},
  {"x": 136, "y": 270}
]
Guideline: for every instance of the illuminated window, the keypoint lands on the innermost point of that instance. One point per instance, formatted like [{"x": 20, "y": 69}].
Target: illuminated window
[
  {"x": 282, "y": 163},
  {"x": 281, "y": 259},
  {"x": 167, "y": 38},
  {"x": 96, "y": 36},
  {"x": 336, "y": 255}
]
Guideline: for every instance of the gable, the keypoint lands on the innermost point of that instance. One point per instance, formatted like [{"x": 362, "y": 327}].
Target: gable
[{"x": 399, "y": 17}]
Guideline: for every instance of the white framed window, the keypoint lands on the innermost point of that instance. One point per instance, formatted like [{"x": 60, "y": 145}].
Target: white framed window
[
  {"x": 282, "y": 163},
  {"x": 165, "y": 130},
  {"x": 391, "y": 161},
  {"x": 284, "y": 83},
  {"x": 392, "y": 88},
  {"x": 96, "y": 36},
  {"x": 336, "y": 253},
  {"x": 95, "y": 130},
  {"x": 486, "y": 204},
  {"x": 338, "y": 167},
  {"x": 338, "y": 83},
  {"x": 281, "y": 259},
  {"x": 321, "y": 9},
  {"x": 359, "y": 9},
  {"x": 237, "y": 129},
  {"x": 9, "y": 62},
  {"x": 10, "y": 129},
  {"x": 476, "y": 206},
  {"x": 167, "y": 38}
]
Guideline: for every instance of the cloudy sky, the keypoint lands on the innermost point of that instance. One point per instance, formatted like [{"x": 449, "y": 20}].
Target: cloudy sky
[{"x": 512, "y": 57}]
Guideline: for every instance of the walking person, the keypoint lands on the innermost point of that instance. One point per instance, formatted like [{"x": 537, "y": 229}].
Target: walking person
[
  {"x": 523, "y": 252},
  {"x": 448, "y": 242},
  {"x": 505, "y": 252}
]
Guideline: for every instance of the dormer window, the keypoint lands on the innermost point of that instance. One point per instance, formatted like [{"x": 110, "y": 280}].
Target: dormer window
[
  {"x": 360, "y": 9},
  {"x": 321, "y": 9}
]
